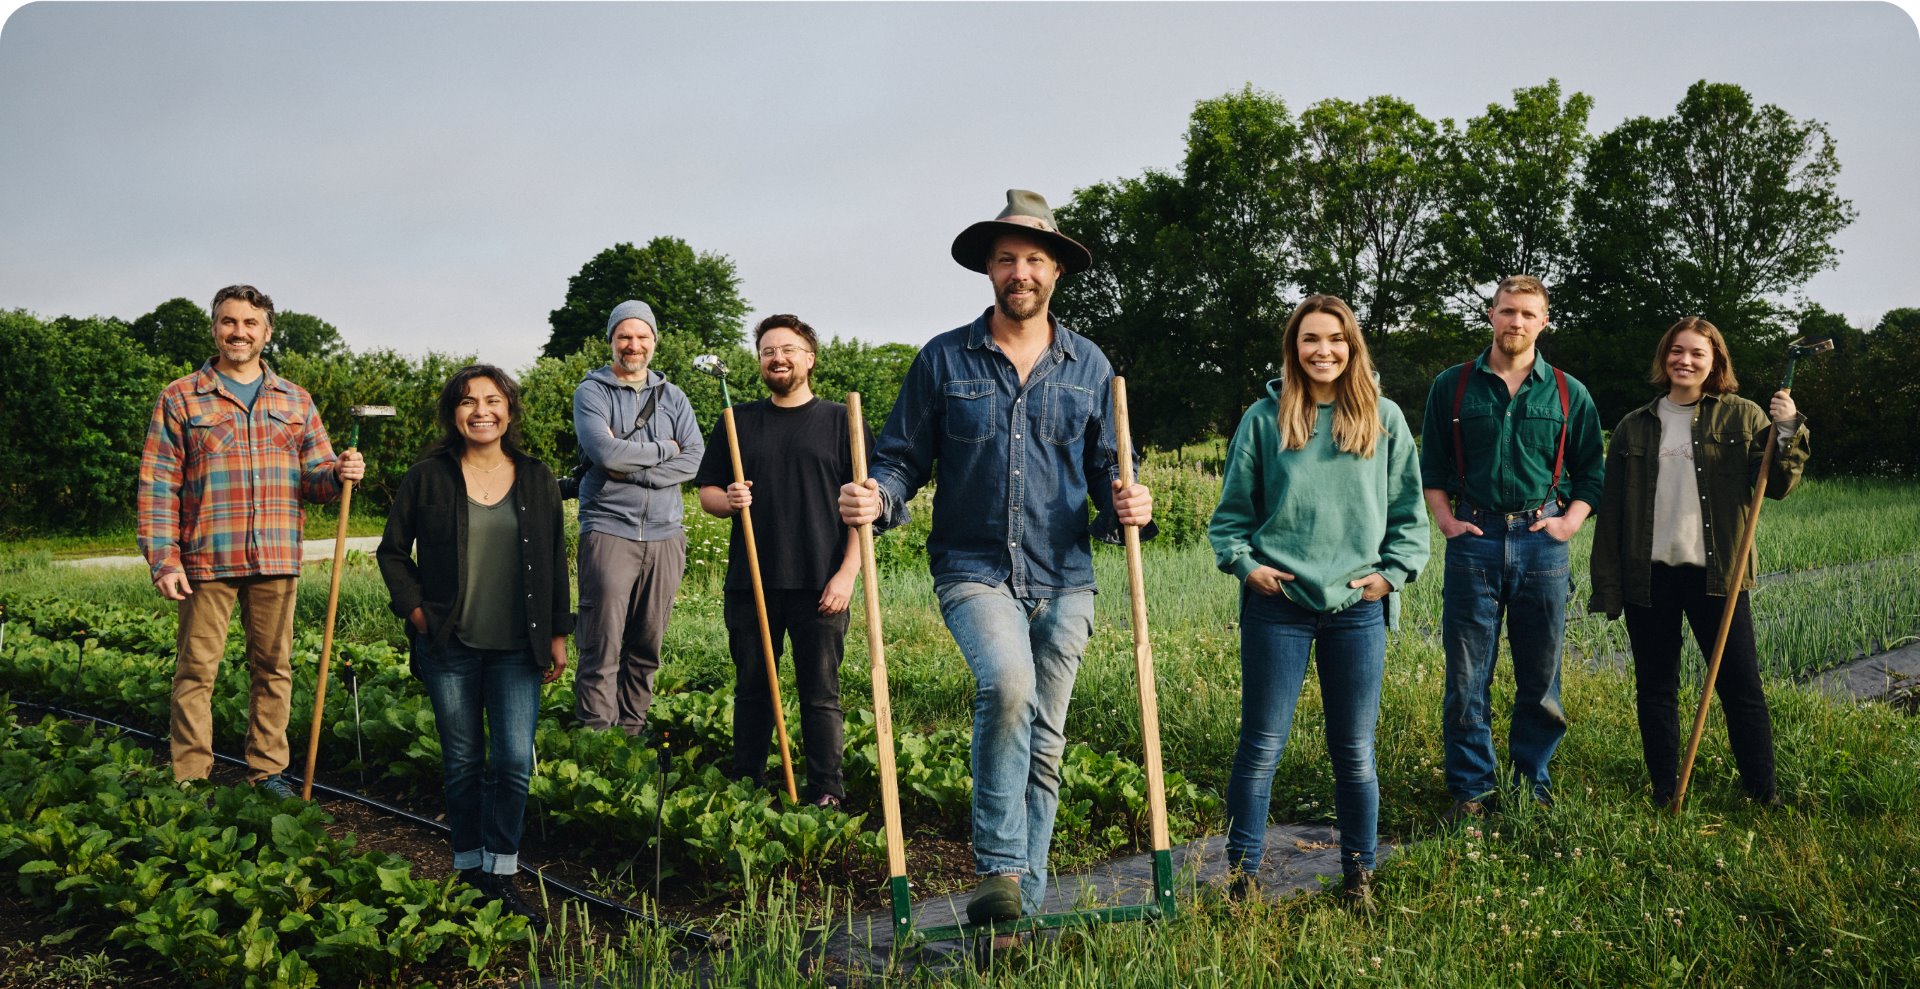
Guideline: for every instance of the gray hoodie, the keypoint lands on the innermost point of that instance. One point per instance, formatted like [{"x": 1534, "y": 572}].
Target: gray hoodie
[{"x": 655, "y": 460}]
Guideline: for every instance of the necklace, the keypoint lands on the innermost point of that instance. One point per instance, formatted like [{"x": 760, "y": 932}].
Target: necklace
[{"x": 486, "y": 491}]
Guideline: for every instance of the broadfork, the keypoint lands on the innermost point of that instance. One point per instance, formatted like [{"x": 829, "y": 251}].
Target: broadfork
[
  {"x": 360, "y": 413},
  {"x": 1162, "y": 906},
  {"x": 711, "y": 365},
  {"x": 1797, "y": 350}
]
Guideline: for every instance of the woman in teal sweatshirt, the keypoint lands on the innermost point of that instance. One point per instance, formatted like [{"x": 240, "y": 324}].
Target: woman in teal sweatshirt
[{"x": 1321, "y": 518}]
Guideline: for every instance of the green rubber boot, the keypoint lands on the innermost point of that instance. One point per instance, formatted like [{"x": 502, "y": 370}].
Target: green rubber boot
[{"x": 996, "y": 899}]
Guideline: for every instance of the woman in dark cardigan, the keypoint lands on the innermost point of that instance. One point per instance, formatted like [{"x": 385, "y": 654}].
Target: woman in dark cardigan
[{"x": 475, "y": 560}]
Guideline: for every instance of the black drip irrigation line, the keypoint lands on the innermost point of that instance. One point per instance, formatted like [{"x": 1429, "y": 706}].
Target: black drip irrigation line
[{"x": 589, "y": 899}]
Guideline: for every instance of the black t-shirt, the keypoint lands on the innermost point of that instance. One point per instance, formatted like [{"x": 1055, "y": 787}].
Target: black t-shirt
[{"x": 797, "y": 460}]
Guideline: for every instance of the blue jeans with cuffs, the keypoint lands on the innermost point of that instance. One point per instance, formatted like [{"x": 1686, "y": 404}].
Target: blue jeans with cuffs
[{"x": 486, "y": 703}]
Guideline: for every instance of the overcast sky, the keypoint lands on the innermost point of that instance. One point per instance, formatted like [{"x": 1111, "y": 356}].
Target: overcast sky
[{"x": 429, "y": 176}]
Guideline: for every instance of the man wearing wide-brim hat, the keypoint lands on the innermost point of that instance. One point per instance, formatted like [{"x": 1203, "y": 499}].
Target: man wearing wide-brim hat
[{"x": 1014, "y": 408}]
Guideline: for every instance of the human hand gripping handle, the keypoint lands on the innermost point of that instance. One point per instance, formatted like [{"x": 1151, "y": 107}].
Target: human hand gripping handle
[{"x": 860, "y": 503}]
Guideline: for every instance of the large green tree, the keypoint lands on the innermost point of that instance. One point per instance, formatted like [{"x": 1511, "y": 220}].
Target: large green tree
[
  {"x": 1507, "y": 201},
  {"x": 691, "y": 293},
  {"x": 1722, "y": 209},
  {"x": 1369, "y": 191},
  {"x": 177, "y": 331},
  {"x": 302, "y": 333},
  {"x": 1186, "y": 291}
]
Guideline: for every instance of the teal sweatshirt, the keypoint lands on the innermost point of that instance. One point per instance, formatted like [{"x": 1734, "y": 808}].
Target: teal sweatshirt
[{"x": 1320, "y": 513}]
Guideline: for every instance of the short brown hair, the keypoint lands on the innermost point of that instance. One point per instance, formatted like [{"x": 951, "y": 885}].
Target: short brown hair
[
  {"x": 1720, "y": 379},
  {"x": 1521, "y": 285},
  {"x": 245, "y": 293},
  {"x": 785, "y": 321}
]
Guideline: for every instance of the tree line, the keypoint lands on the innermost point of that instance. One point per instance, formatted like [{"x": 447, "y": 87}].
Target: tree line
[
  {"x": 1723, "y": 208},
  {"x": 77, "y": 393}
]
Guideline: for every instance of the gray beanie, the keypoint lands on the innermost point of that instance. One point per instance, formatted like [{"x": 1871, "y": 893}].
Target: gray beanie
[{"x": 632, "y": 309}]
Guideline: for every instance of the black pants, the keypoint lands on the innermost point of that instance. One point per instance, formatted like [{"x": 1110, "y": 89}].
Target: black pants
[
  {"x": 818, "y": 643},
  {"x": 1655, "y": 633}
]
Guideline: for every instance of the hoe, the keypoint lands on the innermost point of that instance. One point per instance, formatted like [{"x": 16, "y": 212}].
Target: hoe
[
  {"x": 360, "y": 414},
  {"x": 1797, "y": 350}
]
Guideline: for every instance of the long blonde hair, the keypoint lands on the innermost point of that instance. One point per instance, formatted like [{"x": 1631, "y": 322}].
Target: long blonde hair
[{"x": 1356, "y": 402}]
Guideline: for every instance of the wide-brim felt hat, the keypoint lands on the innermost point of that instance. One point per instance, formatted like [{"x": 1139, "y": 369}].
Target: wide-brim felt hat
[{"x": 1026, "y": 213}]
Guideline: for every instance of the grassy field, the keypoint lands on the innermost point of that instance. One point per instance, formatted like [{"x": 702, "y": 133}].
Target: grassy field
[{"x": 1604, "y": 890}]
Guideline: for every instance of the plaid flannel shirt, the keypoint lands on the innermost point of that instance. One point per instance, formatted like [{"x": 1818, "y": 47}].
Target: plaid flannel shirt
[{"x": 221, "y": 488}]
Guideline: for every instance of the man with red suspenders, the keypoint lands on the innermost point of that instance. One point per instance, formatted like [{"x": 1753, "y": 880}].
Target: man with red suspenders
[{"x": 1511, "y": 463}]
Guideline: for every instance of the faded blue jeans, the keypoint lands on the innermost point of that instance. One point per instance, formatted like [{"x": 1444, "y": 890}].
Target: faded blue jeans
[
  {"x": 1350, "y": 650},
  {"x": 485, "y": 766},
  {"x": 1521, "y": 576},
  {"x": 1024, "y": 653}
]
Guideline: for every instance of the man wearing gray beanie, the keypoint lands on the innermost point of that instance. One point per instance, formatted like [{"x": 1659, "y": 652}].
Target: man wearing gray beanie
[{"x": 640, "y": 442}]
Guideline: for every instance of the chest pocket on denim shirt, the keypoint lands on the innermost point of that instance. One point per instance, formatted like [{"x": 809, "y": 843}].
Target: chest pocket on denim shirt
[
  {"x": 1065, "y": 409},
  {"x": 970, "y": 412},
  {"x": 211, "y": 433},
  {"x": 286, "y": 427}
]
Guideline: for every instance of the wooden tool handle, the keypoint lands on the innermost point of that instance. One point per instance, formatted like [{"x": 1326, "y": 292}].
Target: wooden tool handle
[{"x": 877, "y": 659}]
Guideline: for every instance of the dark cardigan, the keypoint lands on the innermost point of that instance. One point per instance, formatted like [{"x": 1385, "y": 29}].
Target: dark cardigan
[{"x": 429, "y": 514}]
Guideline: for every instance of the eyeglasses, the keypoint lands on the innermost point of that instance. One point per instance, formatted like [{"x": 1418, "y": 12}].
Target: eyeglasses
[{"x": 788, "y": 351}]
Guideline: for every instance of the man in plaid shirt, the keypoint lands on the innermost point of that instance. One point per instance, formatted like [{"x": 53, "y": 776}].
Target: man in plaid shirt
[{"x": 232, "y": 451}]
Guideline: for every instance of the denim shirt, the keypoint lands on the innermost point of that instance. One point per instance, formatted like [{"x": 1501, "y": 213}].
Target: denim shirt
[{"x": 1018, "y": 463}]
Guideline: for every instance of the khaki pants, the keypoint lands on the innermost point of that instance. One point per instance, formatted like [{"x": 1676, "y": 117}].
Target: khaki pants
[{"x": 266, "y": 615}]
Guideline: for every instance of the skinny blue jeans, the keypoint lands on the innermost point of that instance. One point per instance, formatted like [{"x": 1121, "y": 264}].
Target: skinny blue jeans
[
  {"x": 486, "y": 703},
  {"x": 1522, "y": 576},
  {"x": 1349, "y": 648},
  {"x": 1024, "y": 653}
]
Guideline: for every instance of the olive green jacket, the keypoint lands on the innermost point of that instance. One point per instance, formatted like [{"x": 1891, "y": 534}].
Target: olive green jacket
[{"x": 1729, "y": 436}]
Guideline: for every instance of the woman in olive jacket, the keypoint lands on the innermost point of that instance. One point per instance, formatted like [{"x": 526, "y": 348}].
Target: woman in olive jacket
[
  {"x": 1680, "y": 477},
  {"x": 475, "y": 560}
]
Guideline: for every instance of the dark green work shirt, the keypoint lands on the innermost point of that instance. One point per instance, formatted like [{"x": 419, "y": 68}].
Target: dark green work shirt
[{"x": 1510, "y": 440}]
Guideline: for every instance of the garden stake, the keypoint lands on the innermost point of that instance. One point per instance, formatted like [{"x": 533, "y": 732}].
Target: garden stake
[
  {"x": 1795, "y": 351},
  {"x": 901, "y": 902},
  {"x": 1162, "y": 906},
  {"x": 710, "y": 364},
  {"x": 359, "y": 413}
]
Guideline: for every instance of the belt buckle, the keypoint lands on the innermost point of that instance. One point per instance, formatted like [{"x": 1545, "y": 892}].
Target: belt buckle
[{"x": 1513, "y": 517}]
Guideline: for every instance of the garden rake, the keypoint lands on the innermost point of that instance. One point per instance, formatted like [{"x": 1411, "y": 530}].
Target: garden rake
[{"x": 711, "y": 365}]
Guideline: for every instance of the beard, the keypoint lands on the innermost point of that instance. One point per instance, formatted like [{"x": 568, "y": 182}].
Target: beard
[
  {"x": 1513, "y": 346},
  {"x": 788, "y": 383},
  {"x": 1032, "y": 306}
]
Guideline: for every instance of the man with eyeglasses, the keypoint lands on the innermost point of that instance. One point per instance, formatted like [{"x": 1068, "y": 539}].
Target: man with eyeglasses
[
  {"x": 794, "y": 453},
  {"x": 640, "y": 441}
]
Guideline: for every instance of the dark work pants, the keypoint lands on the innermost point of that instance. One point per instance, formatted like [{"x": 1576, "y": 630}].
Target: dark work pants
[
  {"x": 818, "y": 642},
  {"x": 1655, "y": 634}
]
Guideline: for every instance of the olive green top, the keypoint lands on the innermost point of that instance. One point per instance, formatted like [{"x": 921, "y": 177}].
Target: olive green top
[
  {"x": 493, "y": 615},
  {"x": 1730, "y": 435}
]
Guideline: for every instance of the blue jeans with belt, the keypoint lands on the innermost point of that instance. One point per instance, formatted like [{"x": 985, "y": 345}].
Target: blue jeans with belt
[
  {"x": 1025, "y": 654},
  {"x": 1350, "y": 650},
  {"x": 486, "y": 703},
  {"x": 1521, "y": 576}
]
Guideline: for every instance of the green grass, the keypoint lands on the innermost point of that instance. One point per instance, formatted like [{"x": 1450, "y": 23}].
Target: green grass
[{"x": 1826, "y": 892}]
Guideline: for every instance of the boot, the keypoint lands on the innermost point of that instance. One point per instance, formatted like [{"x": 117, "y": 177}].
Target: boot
[{"x": 1356, "y": 888}]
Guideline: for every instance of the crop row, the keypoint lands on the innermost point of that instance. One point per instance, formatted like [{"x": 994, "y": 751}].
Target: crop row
[
  {"x": 602, "y": 787},
  {"x": 218, "y": 885}
]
